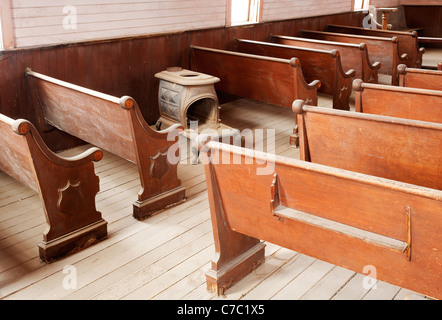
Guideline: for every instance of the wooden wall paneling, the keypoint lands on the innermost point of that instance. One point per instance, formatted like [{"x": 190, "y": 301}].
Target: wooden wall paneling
[
  {"x": 9, "y": 85},
  {"x": 426, "y": 17}
]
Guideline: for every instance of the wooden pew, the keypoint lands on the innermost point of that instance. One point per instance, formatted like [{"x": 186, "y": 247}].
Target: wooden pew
[
  {"x": 353, "y": 56},
  {"x": 400, "y": 102},
  {"x": 271, "y": 80},
  {"x": 405, "y": 150},
  {"x": 346, "y": 218},
  {"x": 408, "y": 41},
  {"x": 67, "y": 188},
  {"x": 116, "y": 125},
  {"x": 419, "y": 78},
  {"x": 385, "y": 50},
  {"x": 324, "y": 65}
]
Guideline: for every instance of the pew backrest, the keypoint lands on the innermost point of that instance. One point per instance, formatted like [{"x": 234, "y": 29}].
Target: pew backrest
[
  {"x": 400, "y": 102},
  {"x": 272, "y": 80},
  {"x": 115, "y": 125},
  {"x": 381, "y": 49},
  {"x": 324, "y": 65},
  {"x": 408, "y": 41},
  {"x": 342, "y": 217},
  {"x": 419, "y": 78},
  {"x": 393, "y": 148},
  {"x": 353, "y": 56}
]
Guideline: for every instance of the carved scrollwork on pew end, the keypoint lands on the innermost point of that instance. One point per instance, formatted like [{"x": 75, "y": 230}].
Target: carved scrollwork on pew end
[{"x": 159, "y": 165}]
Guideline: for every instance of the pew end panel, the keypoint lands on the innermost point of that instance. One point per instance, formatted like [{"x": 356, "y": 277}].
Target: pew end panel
[
  {"x": 116, "y": 125},
  {"x": 67, "y": 188},
  {"x": 360, "y": 220},
  {"x": 155, "y": 151},
  {"x": 401, "y": 102}
]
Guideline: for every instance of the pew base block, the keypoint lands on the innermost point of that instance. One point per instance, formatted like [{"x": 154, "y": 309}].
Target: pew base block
[
  {"x": 218, "y": 281},
  {"x": 73, "y": 242},
  {"x": 143, "y": 209},
  {"x": 294, "y": 140}
]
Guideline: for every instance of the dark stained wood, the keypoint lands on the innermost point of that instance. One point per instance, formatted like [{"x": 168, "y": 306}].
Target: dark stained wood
[
  {"x": 258, "y": 77},
  {"x": 353, "y": 56},
  {"x": 67, "y": 188},
  {"x": 426, "y": 18},
  {"x": 383, "y": 50},
  {"x": 408, "y": 41},
  {"x": 271, "y": 80},
  {"x": 317, "y": 64},
  {"x": 401, "y": 102},
  {"x": 419, "y": 78},
  {"x": 346, "y": 218},
  {"x": 116, "y": 125}
]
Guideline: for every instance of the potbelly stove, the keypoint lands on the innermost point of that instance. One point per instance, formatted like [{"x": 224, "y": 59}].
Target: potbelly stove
[{"x": 189, "y": 98}]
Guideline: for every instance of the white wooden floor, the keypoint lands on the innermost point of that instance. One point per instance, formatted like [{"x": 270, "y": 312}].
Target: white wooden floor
[{"x": 165, "y": 256}]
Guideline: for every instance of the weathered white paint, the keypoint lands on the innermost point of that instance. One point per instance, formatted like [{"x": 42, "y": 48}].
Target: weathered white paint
[
  {"x": 41, "y": 22},
  {"x": 289, "y": 9}
]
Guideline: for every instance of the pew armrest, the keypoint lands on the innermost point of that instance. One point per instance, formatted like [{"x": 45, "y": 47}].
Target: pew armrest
[
  {"x": 376, "y": 65},
  {"x": 23, "y": 127},
  {"x": 350, "y": 73}
]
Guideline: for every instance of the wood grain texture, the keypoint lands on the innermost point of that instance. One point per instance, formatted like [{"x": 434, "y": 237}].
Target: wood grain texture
[
  {"x": 369, "y": 202},
  {"x": 420, "y": 78},
  {"x": 402, "y": 102},
  {"x": 116, "y": 125},
  {"x": 407, "y": 41}
]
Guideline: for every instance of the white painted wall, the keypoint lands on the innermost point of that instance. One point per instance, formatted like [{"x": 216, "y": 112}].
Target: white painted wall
[
  {"x": 385, "y": 3},
  {"x": 45, "y": 22},
  {"x": 290, "y": 9},
  {"x": 41, "y": 22}
]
